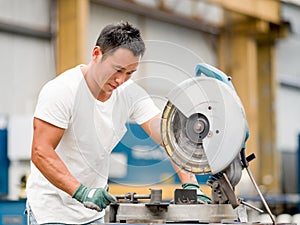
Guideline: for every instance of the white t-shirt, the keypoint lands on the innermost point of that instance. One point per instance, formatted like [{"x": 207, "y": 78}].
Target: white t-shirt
[{"x": 92, "y": 130}]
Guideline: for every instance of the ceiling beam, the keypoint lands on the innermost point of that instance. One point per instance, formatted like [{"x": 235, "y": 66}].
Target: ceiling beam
[{"x": 267, "y": 10}]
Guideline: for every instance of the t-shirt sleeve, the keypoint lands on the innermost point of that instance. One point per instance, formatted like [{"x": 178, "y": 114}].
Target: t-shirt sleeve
[
  {"x": 143, "y": 107},
  {"x": 54, "y": 105}
]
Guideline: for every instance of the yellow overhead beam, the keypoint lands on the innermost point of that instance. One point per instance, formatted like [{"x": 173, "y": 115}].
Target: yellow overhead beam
[{"x": 267, "y": 10}]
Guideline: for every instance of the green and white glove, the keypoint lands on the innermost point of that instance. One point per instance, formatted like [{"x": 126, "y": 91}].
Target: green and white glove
[
  {"x": 201, "y": 197},
  {"x": 94, "y": 198}
]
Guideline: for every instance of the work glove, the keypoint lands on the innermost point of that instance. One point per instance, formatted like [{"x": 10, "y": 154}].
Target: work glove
[
  {"x": 201, "y": 197},
  {"x": 93, "y": 198}
]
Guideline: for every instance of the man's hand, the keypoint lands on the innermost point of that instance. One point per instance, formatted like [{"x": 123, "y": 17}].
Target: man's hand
[
  {"x": 95, "y": 198},
  {"x": 201, "y": 197}
]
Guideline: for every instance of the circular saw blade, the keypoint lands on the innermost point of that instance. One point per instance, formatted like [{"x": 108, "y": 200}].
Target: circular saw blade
[
  {"x": 182, "y": 139},
  {"x": 203, "y": 125}
]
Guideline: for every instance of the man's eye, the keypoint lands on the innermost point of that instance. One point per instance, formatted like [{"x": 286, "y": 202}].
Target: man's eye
[{"x": 119, "y": 71}]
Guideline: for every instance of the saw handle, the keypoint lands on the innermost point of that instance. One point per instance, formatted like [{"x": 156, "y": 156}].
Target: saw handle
[{"x": 213, "y": 72}]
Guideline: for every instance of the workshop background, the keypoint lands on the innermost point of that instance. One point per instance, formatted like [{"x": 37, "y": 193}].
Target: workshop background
[{"x": 256, "y": 42}]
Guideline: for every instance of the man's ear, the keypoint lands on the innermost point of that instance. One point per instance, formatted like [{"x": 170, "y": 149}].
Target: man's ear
[{"x": 97, "y": 53}]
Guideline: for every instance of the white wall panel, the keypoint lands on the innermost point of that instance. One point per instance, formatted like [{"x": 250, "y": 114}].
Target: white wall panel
[
  {"x": 27, "y": 12},
  {"x": 27, "y": 63},
  {"x": 288, "y": 55},
  {"x": 172, "y": 54},
  {"x": 288, "y": 119},
  {"x": 100, "y": 16}
]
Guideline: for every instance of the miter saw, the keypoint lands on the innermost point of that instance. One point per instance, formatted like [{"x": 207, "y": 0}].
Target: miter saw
[{"x": 204, "y": 130}]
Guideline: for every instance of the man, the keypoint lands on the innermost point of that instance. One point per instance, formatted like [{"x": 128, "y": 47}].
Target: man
[{"x": 79, "y": 118}]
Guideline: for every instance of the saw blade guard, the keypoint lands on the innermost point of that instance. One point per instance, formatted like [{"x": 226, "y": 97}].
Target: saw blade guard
[
  {"x": 203, "y": 125},
  {"x": 210, "y": 71}
]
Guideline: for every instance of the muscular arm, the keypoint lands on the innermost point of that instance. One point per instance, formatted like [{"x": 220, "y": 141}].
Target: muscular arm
[
  {"x": 45, "y": 139},
  {"x": 152, "y": 128}
]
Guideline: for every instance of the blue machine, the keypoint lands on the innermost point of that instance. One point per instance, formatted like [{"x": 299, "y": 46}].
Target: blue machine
[
  {"x": 12, "y": 212},
  {"x": 4, "y": 162}
]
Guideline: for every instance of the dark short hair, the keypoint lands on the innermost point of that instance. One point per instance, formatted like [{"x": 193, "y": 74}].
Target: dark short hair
[{"x": 121, "y": 35}]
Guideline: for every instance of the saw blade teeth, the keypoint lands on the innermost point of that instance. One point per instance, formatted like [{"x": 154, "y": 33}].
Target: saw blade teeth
[
  {"x": 170, "y": 152},
  {"x": 179, "y": 149}
]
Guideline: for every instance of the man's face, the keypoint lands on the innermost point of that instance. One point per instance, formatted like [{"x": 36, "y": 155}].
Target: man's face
[{"x": 112, "y": 70}]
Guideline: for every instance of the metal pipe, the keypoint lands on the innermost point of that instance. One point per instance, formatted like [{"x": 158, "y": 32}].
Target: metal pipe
[
  {"x": 289, "y": 81},
  {"x": 261, "y": 196},
  {"x": 134, "y": 196},
  {"x": 25, "y": 31},
  {"x": 252, "y": 207}
]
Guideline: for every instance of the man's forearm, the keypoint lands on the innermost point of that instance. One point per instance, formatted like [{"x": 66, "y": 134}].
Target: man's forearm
[
  {"x": 152, "y": 128},
  {"x": 53, "y": 168},
  {"x": 184, "y": 176}
]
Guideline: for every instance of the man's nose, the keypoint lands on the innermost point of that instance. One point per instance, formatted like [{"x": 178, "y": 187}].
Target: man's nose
[{"x": 120, "y": 78}]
